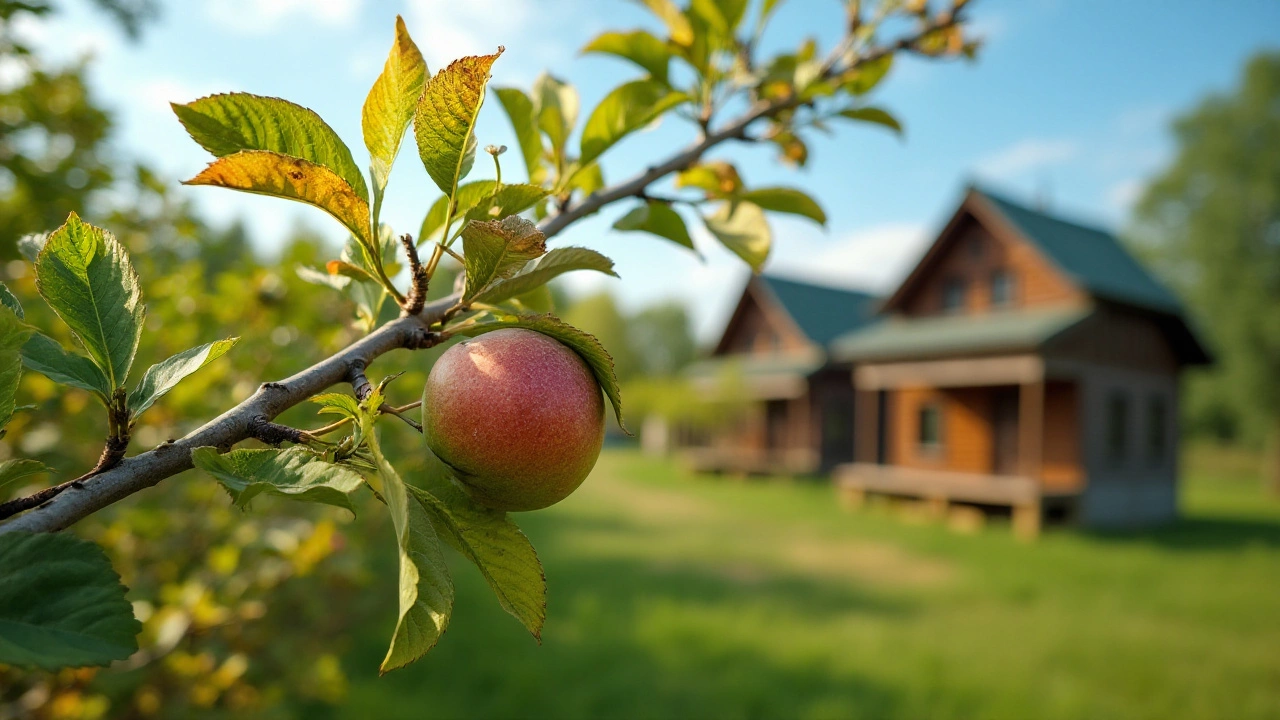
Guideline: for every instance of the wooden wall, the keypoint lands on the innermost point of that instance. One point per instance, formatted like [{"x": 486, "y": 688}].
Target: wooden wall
[
  {"x": 1061, "y": 463},
  {"x": 974, "y": 255},
  {"x": 756, "y": 328},
  {"x": 966, "y": 429}
]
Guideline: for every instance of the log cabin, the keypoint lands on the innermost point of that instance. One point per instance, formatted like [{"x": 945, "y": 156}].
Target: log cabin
[
  {"x": 773, "y": 356},
  {"x": 1027, "y": 362}
]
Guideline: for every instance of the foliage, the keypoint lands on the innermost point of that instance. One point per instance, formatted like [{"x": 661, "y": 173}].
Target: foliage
[
  {"x": 274, "y": 147},
  {"x": 1214, "y": 217}
]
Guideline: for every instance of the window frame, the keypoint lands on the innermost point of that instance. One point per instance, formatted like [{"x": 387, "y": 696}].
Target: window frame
[
  {"x": 961, "y": 286},
  {"x": 1116, "y": 428},
  {"x": 926, "y": 447},
  {"x": 1157, "y": 436},
  {"x": 1010, "y": 284}
]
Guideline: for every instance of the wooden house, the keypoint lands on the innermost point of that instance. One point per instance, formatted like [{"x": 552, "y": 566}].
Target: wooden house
[
  {"x": 1026, "y": 362},
  {"x": 797, "y": 405}
]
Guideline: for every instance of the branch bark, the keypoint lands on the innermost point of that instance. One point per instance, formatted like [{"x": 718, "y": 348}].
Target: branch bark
[{"x": 144, "y": 470}]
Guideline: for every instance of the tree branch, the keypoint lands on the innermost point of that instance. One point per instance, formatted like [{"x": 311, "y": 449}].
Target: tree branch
[
  {"x": 239, "y": 423},
  {"x": 252, "y": 418}
]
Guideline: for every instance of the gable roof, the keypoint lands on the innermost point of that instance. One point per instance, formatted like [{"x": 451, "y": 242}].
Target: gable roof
[
  {"x": 822, "y": 313},
  {"x": 1093, "y": 258},
  {"x": 895, "y": 338}
]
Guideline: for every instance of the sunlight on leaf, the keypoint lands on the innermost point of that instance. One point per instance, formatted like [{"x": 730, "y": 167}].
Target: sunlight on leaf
[
  {"x": 657, "y": 218},
  {"x": 296, "y": 473},
  {"x": 741, "y": 227},
  {"x": 628, "y": 108},
  {"x": 268, "y": 173},
  {"x": 229, "y": 123},
  {"x": 541, "y": 271},
  {"x": 86, "y": 277},
  {"x": 391, "y": 103},
  {"x": 164, "y": 376},
  {"x": 498, "y": 249},
  {"x": 445, "y": 120}
]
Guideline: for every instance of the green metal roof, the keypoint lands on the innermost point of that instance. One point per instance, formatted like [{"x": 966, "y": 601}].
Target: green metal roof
[
  {"x": 1094, "y": 258},
  {"x": 956, "y": 334},
  {"x": 801, "y": 364},
  {"x": 823, "y": 313}
]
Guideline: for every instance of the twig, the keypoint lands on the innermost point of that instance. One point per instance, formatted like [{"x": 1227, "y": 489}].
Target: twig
[{"x": 419, "y": 278}]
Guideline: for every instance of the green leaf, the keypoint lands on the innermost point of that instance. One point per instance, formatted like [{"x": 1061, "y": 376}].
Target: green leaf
[
  {"x": 14, "y": 470},
  {"x": 509, "y": 200},
  {"x": 445, "y": 120},
  {"x": 61, "y": 603},
  {"x": 45, "y": 356},
  {"x": 626, "y": 109},
  {"x": 8, "y": 299},
  {"x": 787, "y": 200},
  {"x": 229, "y": 123},
  {"x": 337, "y": 404},
  {"x": 519, "y": 109},
  {"x": 718, "y": 179},
  {"x": 868, "y": 75},
  {"x": 741, "y": 227},
  {"x": 320, "y": 277},
  {"x": 637, "y": 46},
  {"x": 498, "y": 249},
  {"x": 426, "y": 588},
  {"x": 543, "y": 270},
  {"x": 86, "y": 277},
  {"x": 466, "y": 198},
  {"x": 13, "y": 335},
  {"x": 583, "y": 343},
  {"x": 556, "y": 105},
  {"x": 671, "y": 16},
  {"x": 269, "y": 173},
  {"x": 873, "y": 115},
  {"x": 391, "y": 103},
  {"x": 163, "y": 376},
  {"x": 491, "y": 541},
  {"x": 657, "y": 218},
  {"x": 296, "y": 473}
]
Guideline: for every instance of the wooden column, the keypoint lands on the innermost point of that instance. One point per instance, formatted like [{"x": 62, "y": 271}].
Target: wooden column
[
  {"x": 1027, "y": 516},
  {"x": 866, "y": 425},
  {"x": 1031, "y": 429}
]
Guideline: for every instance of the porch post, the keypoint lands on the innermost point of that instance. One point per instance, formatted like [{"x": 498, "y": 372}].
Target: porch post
[
  {"x": 1031, "y": 428},
  {"x": 1026, "y": 517},
  {"x": 866, "y": 424}
]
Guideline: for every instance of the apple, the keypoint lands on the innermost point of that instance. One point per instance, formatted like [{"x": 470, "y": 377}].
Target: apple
[{"x": 518, "y": 415}]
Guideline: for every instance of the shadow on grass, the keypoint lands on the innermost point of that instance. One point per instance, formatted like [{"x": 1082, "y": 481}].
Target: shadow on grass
[
  {"x": 631, "y": 637},
  {"x": 1203, "y": 534}
]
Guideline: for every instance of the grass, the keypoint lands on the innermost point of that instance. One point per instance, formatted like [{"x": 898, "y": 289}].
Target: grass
[{"x": 674, "y": 596}]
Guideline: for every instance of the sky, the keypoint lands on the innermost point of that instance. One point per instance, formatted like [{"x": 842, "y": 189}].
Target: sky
[{"x": 1069, "y": 104}]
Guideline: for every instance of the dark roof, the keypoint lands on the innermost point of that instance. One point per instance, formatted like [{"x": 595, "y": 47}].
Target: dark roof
[
  {"x": 823, "y": 313},
  {"x": 1093, "y": 258},
  {"x": 902, "y": 338}
]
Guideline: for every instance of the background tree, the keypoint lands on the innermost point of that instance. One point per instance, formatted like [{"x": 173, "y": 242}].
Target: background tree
[{"x": 1212, "y": 220}]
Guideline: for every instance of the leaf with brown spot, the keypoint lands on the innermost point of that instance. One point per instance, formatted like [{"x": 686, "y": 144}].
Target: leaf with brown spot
[
  {"x": 498, "y": 249},
  {"x": 445, "y": 120},
  {"x": 268, "y": 173}
]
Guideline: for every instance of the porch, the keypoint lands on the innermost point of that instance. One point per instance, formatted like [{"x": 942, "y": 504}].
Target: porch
[{"x": 991, "y": 431}]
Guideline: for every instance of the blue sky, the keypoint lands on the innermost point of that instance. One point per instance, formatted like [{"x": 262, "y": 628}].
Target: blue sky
[{"x": 1069, "y": 101}]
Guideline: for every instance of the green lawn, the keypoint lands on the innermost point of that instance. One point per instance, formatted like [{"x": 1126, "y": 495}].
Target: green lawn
[{"x": 675, "y": 596}]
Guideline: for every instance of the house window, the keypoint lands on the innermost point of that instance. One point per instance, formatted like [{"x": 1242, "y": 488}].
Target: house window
[
  {"x": 930, "y": 428},
  {"x": 1157, "y": 430},
  {"x": 1001, "y": 288},
  {"x": 1117, "y": 428},
  {"x": 953, "y": 295}
]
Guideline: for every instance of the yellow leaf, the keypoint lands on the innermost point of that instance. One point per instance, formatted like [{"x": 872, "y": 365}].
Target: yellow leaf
[
  {"x": 445, "y": 121},
  {"x": 389, "y": 108},
  {"x": 268, "y": 173}
]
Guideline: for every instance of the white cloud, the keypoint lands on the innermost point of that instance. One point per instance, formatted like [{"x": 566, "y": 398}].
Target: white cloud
[
  {"x": 533, "y": 33},
  {"x": 1027, "y": 155},
  {"x": 874, "y": 259},
  {"x": 261, "y": 17}
]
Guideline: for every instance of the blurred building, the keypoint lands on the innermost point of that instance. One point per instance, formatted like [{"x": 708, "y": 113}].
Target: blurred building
[{"x": 1027, "y": 362}]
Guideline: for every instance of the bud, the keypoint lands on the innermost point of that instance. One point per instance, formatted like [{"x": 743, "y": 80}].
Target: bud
[{"x": 495, "y": 150}]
